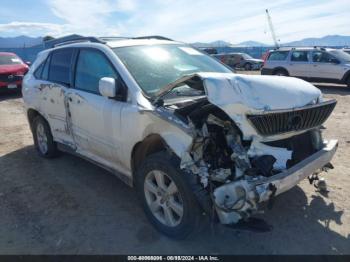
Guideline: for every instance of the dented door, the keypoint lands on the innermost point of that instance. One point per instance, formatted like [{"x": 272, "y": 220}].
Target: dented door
[
  {"x": 94, "y": 119},
  {"x": 54, "y": 83}
]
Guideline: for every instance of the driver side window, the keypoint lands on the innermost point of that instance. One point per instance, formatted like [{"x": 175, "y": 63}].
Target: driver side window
[
  {"x": 322, "y": 57},
  {"x": 91, "y": 67}
]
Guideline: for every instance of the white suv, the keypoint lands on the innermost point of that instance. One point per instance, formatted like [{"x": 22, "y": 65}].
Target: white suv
[
  {"x": 313, "y": 64},
  {"x": 195, "y": 139}
]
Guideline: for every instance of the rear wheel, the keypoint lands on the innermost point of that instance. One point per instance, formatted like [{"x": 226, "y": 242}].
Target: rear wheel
[
  {"x": 281, "y": 72},
  {"x": 43, "y": 139},
  {"x": 348, "y": 82},
  {"x": 166, "y": 196}
]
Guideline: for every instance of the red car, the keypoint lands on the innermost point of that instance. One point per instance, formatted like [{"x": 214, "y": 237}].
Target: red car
[{"x": 12, "y": 70}]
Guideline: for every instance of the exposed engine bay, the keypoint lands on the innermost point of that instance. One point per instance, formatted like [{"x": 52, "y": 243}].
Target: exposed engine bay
[{"x": 230, "y": 168}]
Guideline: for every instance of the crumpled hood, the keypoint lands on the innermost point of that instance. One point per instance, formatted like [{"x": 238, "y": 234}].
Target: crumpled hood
[{"x": 258, "y": 92}]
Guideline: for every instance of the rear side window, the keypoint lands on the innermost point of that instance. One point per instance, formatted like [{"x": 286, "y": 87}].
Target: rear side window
[
  {"x": 91, "y": 67},
  {"x": 299, "y": 56},
  {"x": 278, "y": 55},
  {"x": 39, "y": 70},
  {"x": 60, "y": 66}
]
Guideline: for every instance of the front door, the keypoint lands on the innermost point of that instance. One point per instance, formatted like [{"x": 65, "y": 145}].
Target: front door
[
  {"x": 95, "y": 120},
  {"x": 323, "y": 66}
]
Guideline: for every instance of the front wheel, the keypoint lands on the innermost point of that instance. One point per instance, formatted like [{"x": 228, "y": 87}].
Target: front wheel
[
  {"x": 248, "y": 67},
  {"x": 281, "y": 72},
  {"x": 166, "y": 196}
]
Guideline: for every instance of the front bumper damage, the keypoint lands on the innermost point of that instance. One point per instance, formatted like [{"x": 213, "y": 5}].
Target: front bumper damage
[{"x": 238, "y": 199}]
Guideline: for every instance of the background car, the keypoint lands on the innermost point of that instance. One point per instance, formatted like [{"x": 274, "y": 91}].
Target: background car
[
  {"x": 313, "y": 64},
  {"x": 346, "y": 50},
  {"x": 240, "y": 60},
  {"x": 12, "y": 70}
]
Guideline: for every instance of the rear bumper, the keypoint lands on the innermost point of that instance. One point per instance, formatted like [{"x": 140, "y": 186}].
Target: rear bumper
[
  {"x": 292, "y": 176},
  {"x": 5, "y": 85},
  {"x": 267, "y": 71}
]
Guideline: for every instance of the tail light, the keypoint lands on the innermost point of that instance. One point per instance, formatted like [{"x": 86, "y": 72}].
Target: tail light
[{"x": 265, "y": 56}]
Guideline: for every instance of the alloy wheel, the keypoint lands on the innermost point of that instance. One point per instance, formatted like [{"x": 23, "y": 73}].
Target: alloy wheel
[{"x": 163, "y": 198}]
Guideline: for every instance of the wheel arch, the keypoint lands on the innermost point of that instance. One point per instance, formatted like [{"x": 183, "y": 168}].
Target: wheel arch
[
  {"x": 346, "y": 76},
  {"x": 31, "y": 115},
  {"x": 153, "y": 143}
]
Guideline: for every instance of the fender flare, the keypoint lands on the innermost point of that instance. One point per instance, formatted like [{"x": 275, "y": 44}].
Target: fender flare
[{"x": 346, "y": 76}]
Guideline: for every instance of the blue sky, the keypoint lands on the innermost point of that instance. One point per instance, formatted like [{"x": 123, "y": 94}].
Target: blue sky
[{"x": 206, "y": 20}]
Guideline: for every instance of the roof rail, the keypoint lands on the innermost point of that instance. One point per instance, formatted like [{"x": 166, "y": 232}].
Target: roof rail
[
  {"x": 153, "y": 37},
  {"x": 80, "y": 39},
  {"x": 106, "y": 38}
]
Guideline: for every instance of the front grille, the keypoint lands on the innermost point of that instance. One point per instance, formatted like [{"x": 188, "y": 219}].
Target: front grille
[
  {"x": 278, "y": 122},
  {"x": 10, "y": 78}
]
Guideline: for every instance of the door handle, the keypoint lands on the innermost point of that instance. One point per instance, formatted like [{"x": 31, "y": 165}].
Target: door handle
[
  {"x": 71, "y": 99},
  {"x": 315, "y": 65}
]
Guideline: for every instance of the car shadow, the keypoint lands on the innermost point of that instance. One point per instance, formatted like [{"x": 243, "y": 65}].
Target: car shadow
[
  {"x": 333, "y": 89},
  {"x": 68, "y": 206}
]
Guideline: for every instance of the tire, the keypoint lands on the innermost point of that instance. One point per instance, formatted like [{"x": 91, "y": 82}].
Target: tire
[
  {"x": 248, "y": 67},
  {"x": 348, "y": 82},
  {"x": 161, "y": 169},
  {"x": 43, "y": 139},
  {"x": 281, "y": 72}
]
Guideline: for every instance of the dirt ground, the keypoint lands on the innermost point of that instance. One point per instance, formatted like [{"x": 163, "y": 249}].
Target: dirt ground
[{"x": 69, "y": 206}]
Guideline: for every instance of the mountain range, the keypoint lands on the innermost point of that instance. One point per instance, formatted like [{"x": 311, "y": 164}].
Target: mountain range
[
  {"x": 19, "y": 41},
  {"x": 329, "y": 40}
]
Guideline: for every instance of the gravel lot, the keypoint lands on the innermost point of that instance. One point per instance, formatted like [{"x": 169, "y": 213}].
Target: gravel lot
[{"x": 69, "y": 206}]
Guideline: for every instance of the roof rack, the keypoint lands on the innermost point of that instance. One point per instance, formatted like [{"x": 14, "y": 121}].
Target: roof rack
[
  {"x": 81, "y": 39},
  {"x": 103, "y": 40},
  {"x": 106, "y": 38},
  {"x": 153, "y": 37}
]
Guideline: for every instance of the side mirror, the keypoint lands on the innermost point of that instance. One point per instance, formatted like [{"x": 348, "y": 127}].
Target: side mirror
[
  {"x": 107, "y": 87},
  {"x": 28, "y": 63}
]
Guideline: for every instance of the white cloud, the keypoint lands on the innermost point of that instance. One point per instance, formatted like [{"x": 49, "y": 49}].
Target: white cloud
[
  {"x": 29, "y": 27},
  {"x": 90, "y": 17},
  {"x": 195, "y": 20}
]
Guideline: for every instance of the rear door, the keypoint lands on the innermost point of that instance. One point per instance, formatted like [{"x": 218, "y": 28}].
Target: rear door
[
  {"x": 323, "y": 66},
  {"x": 95, "y": 119},
  {"x": 299, "y": 63},
  {"x": 55, "y": 80}
]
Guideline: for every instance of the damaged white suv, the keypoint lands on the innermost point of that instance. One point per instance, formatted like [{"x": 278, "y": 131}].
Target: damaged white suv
[{"x": 195, "y": 139}]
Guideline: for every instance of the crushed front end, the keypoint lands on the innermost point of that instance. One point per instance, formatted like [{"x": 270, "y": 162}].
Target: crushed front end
[{"x": 239, "y": 171}]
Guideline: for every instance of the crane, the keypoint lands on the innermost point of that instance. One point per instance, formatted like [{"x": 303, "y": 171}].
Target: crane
[{"x": 272, "y": 29}]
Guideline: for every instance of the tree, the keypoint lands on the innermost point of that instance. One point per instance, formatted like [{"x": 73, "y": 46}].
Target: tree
[{"x": 48, "y": 38}]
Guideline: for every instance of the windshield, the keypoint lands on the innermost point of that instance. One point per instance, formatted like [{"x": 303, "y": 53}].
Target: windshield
[
  {"x": 156, "y": 66},
  {"x": 341, "y": 55},
  {"x": 9, "y": 60}
]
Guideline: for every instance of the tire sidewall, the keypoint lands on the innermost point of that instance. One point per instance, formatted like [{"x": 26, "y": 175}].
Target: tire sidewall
[
  {"x": 51, "y": 145},
  {"x": 164, "y": 163}
]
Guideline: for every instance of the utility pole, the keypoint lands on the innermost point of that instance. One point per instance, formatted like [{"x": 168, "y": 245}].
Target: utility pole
[{"x": 274, "y": 38}]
